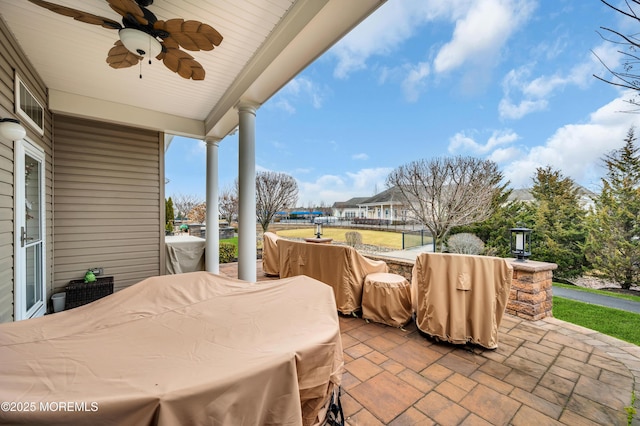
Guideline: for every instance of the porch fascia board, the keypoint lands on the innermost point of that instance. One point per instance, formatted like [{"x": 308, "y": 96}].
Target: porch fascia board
[{"x": 98, "y": 109}]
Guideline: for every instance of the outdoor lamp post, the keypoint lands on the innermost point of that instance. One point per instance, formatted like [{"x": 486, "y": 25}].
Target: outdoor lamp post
[
  {"x": 318, "y": 230},
  {"x": 521, "y": 243}
]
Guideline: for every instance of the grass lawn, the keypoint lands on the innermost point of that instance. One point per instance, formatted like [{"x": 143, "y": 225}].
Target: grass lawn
[
  {"x": 233, "y": 241},
  {"x": 622, "y": 325},
  {"x": 374, "y": 238}
]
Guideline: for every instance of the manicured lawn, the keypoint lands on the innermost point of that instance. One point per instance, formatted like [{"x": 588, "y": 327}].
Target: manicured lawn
[
  {"x": 374, "y": 238},
  {"x": 233, "y": 241},
  {"x": 622, "y": 325}
]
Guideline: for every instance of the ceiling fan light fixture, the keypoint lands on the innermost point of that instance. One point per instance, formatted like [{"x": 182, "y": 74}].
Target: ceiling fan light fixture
[{"x": 140, "y": 43}]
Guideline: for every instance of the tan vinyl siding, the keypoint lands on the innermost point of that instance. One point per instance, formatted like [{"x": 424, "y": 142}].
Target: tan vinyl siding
[
  {"x": 13, "y": 60},
  {"x": 108, "y": 201}
]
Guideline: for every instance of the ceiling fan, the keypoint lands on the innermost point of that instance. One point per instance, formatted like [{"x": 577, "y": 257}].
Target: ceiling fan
[{"x": 142, "y": 34}]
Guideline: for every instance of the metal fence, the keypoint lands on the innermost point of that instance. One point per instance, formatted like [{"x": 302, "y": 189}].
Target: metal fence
[{"x": 416, "y": 238}]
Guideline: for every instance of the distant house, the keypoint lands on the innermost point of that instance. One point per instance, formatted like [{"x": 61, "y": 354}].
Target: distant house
[
  {"x": 525, "y": 195},
  {"x": 347, "y": 210},
  {"x": 386, "y": 205}
]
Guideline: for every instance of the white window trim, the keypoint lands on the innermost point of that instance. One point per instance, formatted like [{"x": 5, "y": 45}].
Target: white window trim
[{"x": 23, "y": 115}]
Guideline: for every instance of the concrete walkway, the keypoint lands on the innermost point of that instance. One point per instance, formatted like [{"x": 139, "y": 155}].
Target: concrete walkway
[{"x": 598, "y": 299}]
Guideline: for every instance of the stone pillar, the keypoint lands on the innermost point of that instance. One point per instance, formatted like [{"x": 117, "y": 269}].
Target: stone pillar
[
  {"x": 531, "y": 296},
  {"x": 212, "y": 244},
  {"x": 247, "y": 246}
]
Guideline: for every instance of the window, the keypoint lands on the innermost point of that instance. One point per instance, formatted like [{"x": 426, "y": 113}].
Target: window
[{"x": 28, "y": 107}]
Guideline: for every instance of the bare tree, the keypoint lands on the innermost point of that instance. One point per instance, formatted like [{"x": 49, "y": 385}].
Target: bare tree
[
  {"x": 228, "y": 203},
  {"x": 198, "y": 214},
  {"x": 444, "y": 193},
  {"x": 274, "y": 192},
  {"x": 628, "y": 77},
  {"x": 184, "y": 203}
]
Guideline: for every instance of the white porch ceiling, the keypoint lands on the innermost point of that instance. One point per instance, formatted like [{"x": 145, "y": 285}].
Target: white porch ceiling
[{"x": 266, "y": 43}]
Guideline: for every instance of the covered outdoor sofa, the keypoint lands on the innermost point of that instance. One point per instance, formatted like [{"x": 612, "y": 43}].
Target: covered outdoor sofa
[
  {"x": 194, "y": 348},
  {"x": 341, "y": 267}
]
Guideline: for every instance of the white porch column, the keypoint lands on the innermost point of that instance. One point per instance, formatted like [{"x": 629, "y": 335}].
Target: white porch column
[
  {"x": 212, "y": 244},
  {"x": 247, "y": 191}
]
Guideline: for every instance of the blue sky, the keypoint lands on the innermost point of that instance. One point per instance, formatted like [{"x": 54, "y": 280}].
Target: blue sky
[{"x": 507, "y": 80}]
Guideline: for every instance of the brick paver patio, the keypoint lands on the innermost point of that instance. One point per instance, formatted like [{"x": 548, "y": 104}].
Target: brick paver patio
[{"x": 546, "y": 372}]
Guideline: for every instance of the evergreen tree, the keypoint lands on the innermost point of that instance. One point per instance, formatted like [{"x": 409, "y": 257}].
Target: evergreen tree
[
  {"x": 559, "y": 231},
  {"x": 494, "y": 231},
  {"x": 613, "y": 245},
  {"x": 169, "y": 215}
]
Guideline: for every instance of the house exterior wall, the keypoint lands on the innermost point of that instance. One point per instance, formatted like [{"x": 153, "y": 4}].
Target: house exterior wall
[
  {"x": 12, "y": 61},
  {"x": 346, "y": 213},
  {"x": 109, "y": 201}
]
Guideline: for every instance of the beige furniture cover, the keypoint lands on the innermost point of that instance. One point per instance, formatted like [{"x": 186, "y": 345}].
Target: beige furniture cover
[
  {"x": 341, "y": 267},
  {"x": 184, "y": 253},
  {"x": 175, "y": 350},
  {"x": 461, "y": 298},
  {"x": 386, "y": 298},
  {"x": 270, "y": 260}
]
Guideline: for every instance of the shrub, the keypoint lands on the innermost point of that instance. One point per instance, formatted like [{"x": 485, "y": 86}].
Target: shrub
[
  {"x": 353, "y": 238},
  {"x": 227, "y": 252},
  {"x": 465, "y": 244}
]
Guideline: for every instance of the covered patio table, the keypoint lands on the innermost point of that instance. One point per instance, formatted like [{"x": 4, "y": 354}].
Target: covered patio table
[{"x": 190, "y": 349}]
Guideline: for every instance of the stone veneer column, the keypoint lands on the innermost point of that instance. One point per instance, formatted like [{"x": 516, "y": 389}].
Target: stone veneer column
[{"x": 531, "y": 296}]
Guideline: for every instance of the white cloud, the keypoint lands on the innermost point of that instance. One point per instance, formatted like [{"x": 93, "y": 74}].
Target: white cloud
[
  {"x": 393, "y": 23},
  {"x": 508, "y": 109},
  {"x": 460, "y": 142},
  {"x": 331, "y": 188},
  {"x": 577, "y": 149},
  {"x": 299, "y": 90},
  {"x": 534, "y": 94},
  {"x": 475, "y": 40},
  {"x": 503, "y": 155},
  {"x": 414, "y": 82},
  {"x": 361, "y": 156}
]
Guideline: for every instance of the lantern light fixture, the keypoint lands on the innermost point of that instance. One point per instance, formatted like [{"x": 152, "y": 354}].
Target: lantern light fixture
[
  {"x": 318, "y": 230},
  {"x": 521, "y": 242}
]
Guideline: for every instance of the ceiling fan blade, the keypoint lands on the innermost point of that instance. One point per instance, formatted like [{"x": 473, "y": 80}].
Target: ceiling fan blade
[
  {"x": 120, "y": 57},
  {"x": 190, "y": 35},
  {"x": 182, "y": 63},
  {"x": 79, "y": 15},
  {"x": 128, "y": 7}
]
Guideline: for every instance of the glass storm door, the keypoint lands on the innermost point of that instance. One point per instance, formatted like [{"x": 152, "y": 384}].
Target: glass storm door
[{"x": 29, "y": 269}]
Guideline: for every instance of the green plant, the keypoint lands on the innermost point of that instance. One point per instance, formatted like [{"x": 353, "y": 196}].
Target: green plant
[
  {"x": 169, "y": 215},
  {"x": 612, "y": 245},
  {"x": 227, "y": 252},
  {"x": 631, "y": 409}
]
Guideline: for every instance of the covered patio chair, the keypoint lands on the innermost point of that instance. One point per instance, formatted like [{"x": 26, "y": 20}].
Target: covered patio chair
[
  {"x": 270, "y": 258},
  {"x": 461, "y": 298}
]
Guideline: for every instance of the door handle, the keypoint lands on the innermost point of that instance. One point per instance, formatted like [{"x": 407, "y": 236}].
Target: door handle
[{"x": 23, "y": 236}]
